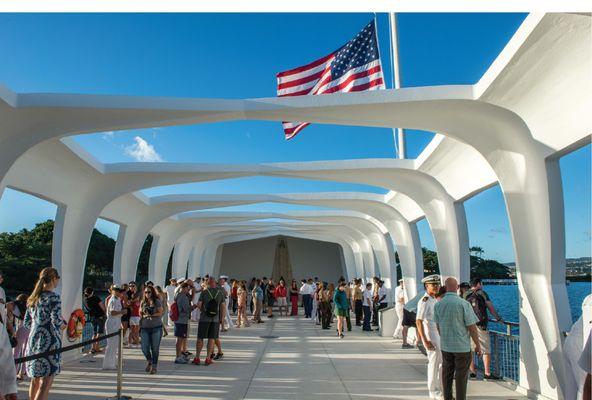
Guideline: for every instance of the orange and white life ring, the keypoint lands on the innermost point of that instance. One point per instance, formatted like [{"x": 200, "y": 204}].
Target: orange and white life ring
[{"x": 76, "y": 324}]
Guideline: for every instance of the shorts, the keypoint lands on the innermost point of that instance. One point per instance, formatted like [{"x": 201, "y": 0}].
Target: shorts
[
  {"x": 282, "y": 301},
  {"x": 409, "y": 318},
  {"x": 98, "y": 325},
  {"x": 208, "y": 330},
  {"x": 126, "y": 317},
  {"x": 134, "y": 321},
  {"x": 180, "y": 330},
  {"x": 270, "y": 302},
  {"x": 484, "y": 341},
  {"x": 340, "y": 312}
]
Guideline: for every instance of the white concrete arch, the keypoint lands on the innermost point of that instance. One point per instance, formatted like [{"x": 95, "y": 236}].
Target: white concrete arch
[
  {"x": 167, "y": 232},
  {"x": 405, "y": 234},
  {"x": 446, "y": 217},
  {"x": 353, "y": 261},
  {"x": 350, "y": 268}
]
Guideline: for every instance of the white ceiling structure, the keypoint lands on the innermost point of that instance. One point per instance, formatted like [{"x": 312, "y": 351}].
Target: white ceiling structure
[{"x": 531, "y": 107}]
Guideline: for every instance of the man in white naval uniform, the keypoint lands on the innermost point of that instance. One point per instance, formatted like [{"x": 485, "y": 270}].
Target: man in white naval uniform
[
  {"x": 399, "y": 305},
  {"x": 227, "y": 324},
  {"x": 428, "y": 333}
]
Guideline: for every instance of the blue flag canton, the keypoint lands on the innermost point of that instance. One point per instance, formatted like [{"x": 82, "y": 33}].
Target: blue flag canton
[{"x": 359, "y": 51}]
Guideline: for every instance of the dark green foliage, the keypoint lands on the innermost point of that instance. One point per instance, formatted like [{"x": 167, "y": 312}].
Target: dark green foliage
[
  {"x": 142, "y": 271},
  {"x": 481, "y": 268},
  {"x": 488, "y": 269},
  {"x": 23, "y": 254},
  {"x": 430, "y": 262}
]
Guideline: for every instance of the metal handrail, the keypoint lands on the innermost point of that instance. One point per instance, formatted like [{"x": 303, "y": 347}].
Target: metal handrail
[{"x": 509, "y": 325}]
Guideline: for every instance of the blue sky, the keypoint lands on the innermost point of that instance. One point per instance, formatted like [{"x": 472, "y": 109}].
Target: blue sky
[{"x": 237, "y": 56}]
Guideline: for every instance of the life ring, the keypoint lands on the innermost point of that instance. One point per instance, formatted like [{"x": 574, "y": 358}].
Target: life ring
[{"x": 76, "y": 324}]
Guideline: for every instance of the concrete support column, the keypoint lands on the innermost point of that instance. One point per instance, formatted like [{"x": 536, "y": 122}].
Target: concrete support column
[
  {"x": 162, "y": 255},
  {"x": 152, "y": 259},
  {"x": 368, "y": 257},
  {"x": 533, "y": 193},
  {"x": 383, "y": 265},
  {"x": 350, "y": 261},
  {"x": 408, "y": 245},
  {"x": 196, "y": 264},
  {"x": 359, "y": 260},
  {"x": 126, "y": 261},
  {"x": 117, "y": 270},
  {"x": 72, "y": 231},
  {"x": 181, "y": 256},
  {"x": 209, "y": 258},
  {"x": 448, "y": 223}
]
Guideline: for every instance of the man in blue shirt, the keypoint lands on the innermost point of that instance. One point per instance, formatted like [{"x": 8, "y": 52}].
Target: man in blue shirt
[{"x": 456, "y": 321}]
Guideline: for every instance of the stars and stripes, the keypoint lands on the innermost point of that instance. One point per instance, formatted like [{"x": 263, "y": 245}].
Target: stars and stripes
[{"x": 354, "y": 67}]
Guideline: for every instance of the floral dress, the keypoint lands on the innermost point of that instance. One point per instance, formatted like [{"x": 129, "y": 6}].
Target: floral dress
[{"x": 44, "y": 321}]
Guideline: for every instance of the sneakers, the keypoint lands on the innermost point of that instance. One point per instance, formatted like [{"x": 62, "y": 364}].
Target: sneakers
[
  {"x": 181, "y": 360},
  {"x": 218, "y": 356},
  {"x": 209, "y": 361},
  {"x": 492, "y": 377},
  {"x": 472, "y": 375},
  {"x": 196, "y": 361},
  {"x": 187, "y": 353},
  {"x": 407, "y": 346}
]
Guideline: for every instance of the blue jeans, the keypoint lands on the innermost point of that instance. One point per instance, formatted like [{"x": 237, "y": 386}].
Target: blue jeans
[
  {"x": 367, "y": 315},
  {"x": 307, "y": 302},
  {"x": 151, "y": 343}
]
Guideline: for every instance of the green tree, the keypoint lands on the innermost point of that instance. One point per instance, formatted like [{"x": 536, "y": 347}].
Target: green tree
[
  {"x": 430, "y": 262},
  {"x": 476, "y": 251}
]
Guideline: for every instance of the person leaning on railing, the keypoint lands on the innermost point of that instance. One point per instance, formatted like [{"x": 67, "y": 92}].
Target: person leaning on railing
[
  {"x": 44, "y": 320},
  {"x": 481, "y": 303}
]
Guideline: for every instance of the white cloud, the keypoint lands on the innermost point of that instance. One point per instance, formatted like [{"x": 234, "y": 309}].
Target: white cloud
[
  {"x": 108, "y": 135},
  {"x": 142, "y": 151}
]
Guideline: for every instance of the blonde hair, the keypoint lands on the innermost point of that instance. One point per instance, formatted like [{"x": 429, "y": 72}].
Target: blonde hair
[{"x": 46, "y": 275}]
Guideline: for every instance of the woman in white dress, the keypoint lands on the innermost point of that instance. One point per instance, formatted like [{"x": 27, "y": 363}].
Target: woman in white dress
[
  {"x": 8, "y": 370},
  {"x": 113, "y": 324}
]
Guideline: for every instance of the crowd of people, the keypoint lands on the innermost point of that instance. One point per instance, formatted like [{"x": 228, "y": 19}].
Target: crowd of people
[{"x": 450, "y": 321}]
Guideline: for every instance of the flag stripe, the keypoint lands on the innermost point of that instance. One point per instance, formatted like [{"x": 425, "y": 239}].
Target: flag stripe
[
  {"x": 354, "y": 67},
  {"x": 304, "y": 67}
]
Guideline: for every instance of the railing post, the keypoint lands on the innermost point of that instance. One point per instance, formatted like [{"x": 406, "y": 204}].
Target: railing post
[
  {"x": 118, "y": 395},
  {"x": 496, "y": 354}
]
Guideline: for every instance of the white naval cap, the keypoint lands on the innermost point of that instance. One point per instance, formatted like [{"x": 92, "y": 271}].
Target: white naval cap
[{"x": 435, "y": 278}]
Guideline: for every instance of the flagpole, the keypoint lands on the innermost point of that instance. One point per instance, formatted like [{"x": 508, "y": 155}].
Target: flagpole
[{"x": 398, "y": 133}]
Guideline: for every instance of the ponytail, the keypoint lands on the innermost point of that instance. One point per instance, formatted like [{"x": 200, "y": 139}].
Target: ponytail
[{"x": 46, "y": 275}]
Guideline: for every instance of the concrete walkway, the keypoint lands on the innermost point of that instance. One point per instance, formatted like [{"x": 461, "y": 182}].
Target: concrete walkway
[{"x": 304, "y": 362}]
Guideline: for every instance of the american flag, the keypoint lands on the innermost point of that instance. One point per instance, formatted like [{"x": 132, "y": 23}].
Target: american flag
[{"x": 354, "y": 67}]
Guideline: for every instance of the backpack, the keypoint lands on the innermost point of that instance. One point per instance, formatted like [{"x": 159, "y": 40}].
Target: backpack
[
  {"x": 477, "y": 301},
  {"x": 212, "y": 305},
  {"x": 174, "y": 312}
]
